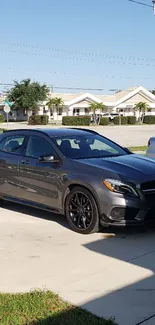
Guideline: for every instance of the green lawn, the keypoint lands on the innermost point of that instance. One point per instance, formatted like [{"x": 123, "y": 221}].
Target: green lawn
[
  {"x": 43, "y": 308},
  {"x": 142, "y": 148}
]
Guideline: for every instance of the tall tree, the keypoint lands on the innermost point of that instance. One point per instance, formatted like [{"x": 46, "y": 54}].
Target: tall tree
[
  {"x": 93, "y": 107},
  {"x": 141, "y": 107},
  {"x": 26, "y": 95}
]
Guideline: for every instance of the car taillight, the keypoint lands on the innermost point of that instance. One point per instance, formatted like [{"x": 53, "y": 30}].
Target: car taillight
[{"x": 149, "y": 143}]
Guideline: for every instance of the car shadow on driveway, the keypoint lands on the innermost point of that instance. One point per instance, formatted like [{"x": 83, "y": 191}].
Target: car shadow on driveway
[
  {"x": 130, "y": 296},
  {"x": 36, "y": 213}
]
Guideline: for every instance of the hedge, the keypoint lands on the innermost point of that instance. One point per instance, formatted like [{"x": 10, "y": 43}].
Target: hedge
[
  {"x": 38, "y": 120},
  {"x": 116, "y": 120},
  {"x": 131, "y": 119},
  {"x": 76, "y": 120},
  {"x": 149, "y": 119},
  {"x": 124, "y": 120},
  {"x": 2, "y": 119},
  {"x": 104, "y": 121}
]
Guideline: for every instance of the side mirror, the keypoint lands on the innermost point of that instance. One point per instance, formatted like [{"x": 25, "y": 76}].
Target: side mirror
[{"x": 49, "y": 158}]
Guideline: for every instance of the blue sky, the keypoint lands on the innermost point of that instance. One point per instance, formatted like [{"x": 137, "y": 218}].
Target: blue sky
[{"x": 44, "y": 39}]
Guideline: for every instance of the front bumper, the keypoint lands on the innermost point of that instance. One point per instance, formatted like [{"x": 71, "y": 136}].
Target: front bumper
[{"x": 117, "y": 210}]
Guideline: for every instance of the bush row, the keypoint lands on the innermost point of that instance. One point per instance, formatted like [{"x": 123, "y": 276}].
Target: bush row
[
  {"x": 124, "y": 120},
  {"x": 104, "y": 121},
  {"x": 38, "y": 120},
  {"x": 85, "y": 120},
  {"x": 76, "y": 120},
  {"x": 149, "y": 119}
]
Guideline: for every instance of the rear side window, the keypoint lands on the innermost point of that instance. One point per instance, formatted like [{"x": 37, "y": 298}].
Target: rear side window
[
  {"x": 37, "y": 147},
  {"x": 12, "y": 144}
]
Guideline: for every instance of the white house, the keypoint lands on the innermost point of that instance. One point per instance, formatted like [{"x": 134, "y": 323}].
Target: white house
[
  {"x": 123, "y": 102},
  {"x": 77, "y": 104}
]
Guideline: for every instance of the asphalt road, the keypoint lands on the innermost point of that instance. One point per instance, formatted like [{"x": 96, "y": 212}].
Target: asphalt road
[
  {"x": 109, "y": 274},
  {"x": 135, "y": 135}
]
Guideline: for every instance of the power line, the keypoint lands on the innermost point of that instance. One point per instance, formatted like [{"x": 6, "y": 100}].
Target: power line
[
  {"x": 87, "y": 54},
  {"x": 56, "y": 87},
  {"x": 141, "y": 3},
  {"x": 79, "y": 73},
  {"x": 89, "y": 60}
]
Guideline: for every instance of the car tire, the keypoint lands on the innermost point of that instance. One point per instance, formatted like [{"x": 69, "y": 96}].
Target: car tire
[{"x": 85, "y": 210}]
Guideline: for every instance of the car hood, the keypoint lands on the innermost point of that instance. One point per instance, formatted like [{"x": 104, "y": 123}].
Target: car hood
[{"x": 132, "y": 167}]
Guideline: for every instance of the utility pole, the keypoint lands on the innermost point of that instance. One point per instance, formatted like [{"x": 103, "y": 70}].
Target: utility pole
[
  {"x": 153, "y": 1},
  {"x": 145, "y": 4}
]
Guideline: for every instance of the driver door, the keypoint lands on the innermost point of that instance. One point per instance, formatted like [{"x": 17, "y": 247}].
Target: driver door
[{"x": 39, "y": 180}]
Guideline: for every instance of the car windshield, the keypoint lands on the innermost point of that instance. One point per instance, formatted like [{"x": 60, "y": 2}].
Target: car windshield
[{"x": 88, "y": 146}]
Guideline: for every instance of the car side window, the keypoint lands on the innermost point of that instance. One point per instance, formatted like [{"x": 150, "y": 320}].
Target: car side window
[
  {"x": 12, "y": 144},
  {"x": 37, "y": 147}
]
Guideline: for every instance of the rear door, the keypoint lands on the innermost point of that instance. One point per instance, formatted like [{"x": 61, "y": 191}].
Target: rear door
[
  {"x": 11, "y": 147},
  {"x": 40, "y": 181}
]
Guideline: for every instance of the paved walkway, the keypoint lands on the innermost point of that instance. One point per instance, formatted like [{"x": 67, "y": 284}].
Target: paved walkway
[
  {"x": 109, "y": 274},
  {"x": 135, "y": 135}
]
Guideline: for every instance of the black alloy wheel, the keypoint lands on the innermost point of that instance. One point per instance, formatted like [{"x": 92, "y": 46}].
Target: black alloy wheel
[{"x": 81, "y": 211}]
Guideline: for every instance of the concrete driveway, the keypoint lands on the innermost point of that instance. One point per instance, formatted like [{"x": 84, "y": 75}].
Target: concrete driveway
[
  {"x": 109, "y": 274},
  {"x": 134, "y": 135}
]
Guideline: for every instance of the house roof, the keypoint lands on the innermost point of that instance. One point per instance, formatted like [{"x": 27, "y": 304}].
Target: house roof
[
  {"x": 66, "y": 96},
  {"x": 109, "y": 100},
  {"x": 115, "y": 97}
]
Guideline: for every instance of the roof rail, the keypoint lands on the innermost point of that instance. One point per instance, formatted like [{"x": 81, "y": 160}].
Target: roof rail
[
  {"x": 26, "y": 130},
  {"x": 86, "y": 130}
]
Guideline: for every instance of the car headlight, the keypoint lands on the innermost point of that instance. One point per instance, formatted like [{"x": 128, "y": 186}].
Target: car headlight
[{"x": 117, "y": 186}]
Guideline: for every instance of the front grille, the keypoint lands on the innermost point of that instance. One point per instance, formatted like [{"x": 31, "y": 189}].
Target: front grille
[{"x": 127, "y": 213}]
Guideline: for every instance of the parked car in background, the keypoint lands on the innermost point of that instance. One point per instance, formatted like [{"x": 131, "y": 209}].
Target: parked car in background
[
  {"x": 78, "y": 173},
  {"x": 151, "y": 148},
  {"x": 110, "y": 116}
]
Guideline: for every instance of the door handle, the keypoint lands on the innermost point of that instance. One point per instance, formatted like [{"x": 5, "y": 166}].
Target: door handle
[{"x": 25, "y": 162}]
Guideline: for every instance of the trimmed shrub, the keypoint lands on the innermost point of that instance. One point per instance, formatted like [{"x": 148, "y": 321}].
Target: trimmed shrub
[
  {"x": 124, "y": 120},
  {"x": 149, "y": 119},
  {"x": 104, "y": 121},
  {"x": 116, "y": 120},
  {"x": 131, "y": 119},
  {"x": 44, "y": 119},
  {"x": 2, "y": 119},
  {"x": 76, "y": 120},
  {"x": 38, "y": 120}
]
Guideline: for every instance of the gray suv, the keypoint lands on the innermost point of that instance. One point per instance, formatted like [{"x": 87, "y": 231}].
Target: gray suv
[{"x": 91, "y": 180}]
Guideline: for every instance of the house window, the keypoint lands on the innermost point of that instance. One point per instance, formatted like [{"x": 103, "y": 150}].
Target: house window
[{"x": 76, "y": 111}]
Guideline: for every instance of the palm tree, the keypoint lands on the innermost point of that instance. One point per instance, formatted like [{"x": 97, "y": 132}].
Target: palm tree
[
  {"x": 141, "y": 107},
  {"x": 93, "y": 107},
  {"x": 56, "y": 103},
  {"x": 59, "y": 103},
  {"x": 50, "y": 104}
]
